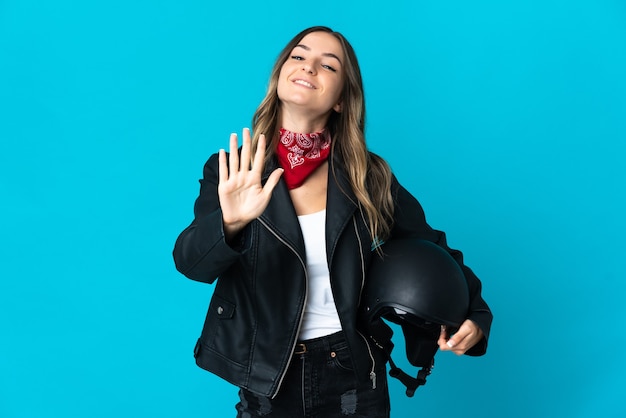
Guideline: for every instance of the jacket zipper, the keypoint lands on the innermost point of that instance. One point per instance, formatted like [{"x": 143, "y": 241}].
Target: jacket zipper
[
  {"x": 369, "y": 349},
  {"x": 372, "y": 374},
  {"x": 358, "y": 238},
  {"x": 306, "y": 283}
]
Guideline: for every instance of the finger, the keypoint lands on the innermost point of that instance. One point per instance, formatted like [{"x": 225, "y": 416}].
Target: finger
[
  {"x": 473, "y": 334},
  {"x": 245, "y": 151},
  {"x": 455, "y": 342},
  {"x": 444, "y": 332},
  {"x": 466, "y": 337},
  {"x": 223, "y": 168},
  {"x": 455, "y": 345},
  {"x": 272, "y": 181},
  {"x": 443, "y": 337},
  {"x": 449, "y": 344},
  {"x": 259, "y": 155},
  {"x": 233, "y": 160},
  {"x": 460, "y": 347}
]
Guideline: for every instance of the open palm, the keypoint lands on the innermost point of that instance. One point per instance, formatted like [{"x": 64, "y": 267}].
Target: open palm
[{"x": 242, "y": 196}]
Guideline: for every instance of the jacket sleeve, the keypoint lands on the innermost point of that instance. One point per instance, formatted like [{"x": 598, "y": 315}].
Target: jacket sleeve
[
  {"x": 201, "y": 252},
  {"x": 410, "y": 221}
]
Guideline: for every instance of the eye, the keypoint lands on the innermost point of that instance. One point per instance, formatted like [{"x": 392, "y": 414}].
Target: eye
[
  {"x": 328, "y": 67},
  {"x": 297, "y": 57}
]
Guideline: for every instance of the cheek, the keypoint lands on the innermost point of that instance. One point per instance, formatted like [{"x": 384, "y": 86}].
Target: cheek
[
  {"x": 285, "y": 71},
  {"x": 282, "y": 80},
  {"x": 338, "y": 89}
]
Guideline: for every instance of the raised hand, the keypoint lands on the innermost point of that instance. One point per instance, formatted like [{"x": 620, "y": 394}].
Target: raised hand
[{"x": 242, "y": 197}]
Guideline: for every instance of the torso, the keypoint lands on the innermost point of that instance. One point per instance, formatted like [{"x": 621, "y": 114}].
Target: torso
[{"x": 311, "y": 196}]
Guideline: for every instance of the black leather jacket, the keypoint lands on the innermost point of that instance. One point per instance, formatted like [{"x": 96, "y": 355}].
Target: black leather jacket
[{"x": 254, "y": 316}]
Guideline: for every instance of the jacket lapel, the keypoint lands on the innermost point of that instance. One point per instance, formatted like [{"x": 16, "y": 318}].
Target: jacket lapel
[
  {"x": 280, "y": 214},
  {"x": 340, "y": 204}
]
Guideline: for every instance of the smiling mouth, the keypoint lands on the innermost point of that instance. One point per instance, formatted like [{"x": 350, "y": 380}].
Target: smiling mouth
[{"x": 304, "y": 83}]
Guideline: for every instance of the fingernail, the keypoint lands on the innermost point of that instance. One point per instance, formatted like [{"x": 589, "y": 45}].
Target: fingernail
[{"x": 450, "y": 343}]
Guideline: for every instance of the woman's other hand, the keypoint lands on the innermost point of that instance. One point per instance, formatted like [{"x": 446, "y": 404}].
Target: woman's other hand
[
  {"x": 468, "y": 335},
  {"x": 242, "y": 197}
]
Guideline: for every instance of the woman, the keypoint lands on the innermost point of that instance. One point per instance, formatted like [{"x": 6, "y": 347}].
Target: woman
[{"x": 289, "y": 224}]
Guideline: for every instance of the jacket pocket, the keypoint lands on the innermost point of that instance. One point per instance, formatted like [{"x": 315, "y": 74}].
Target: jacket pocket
[
  {"x": 220, "y": 310},
  {"x": 225, "y": 332}
]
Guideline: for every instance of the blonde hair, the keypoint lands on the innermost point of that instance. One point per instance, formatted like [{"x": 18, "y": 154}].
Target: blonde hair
[{"x": 369, "y": 175}]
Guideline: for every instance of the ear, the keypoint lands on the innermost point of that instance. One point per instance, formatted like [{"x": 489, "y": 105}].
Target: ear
[{"x": 337, "y": 107}]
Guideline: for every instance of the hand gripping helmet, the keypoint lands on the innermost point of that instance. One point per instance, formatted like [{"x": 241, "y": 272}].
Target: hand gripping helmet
[{"x": 419, "y": 286}]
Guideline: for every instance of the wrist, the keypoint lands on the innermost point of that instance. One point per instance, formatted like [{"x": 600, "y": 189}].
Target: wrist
[{"x": 232, "y": 229}]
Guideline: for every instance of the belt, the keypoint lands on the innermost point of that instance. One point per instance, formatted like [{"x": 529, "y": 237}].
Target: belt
[{"x": 320, "y": 343}]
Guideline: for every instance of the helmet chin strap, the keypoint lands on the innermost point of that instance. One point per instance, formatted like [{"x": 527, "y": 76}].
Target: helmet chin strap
[
  {"x": 411, "y": 383},
  {"x": 380, "y": 334}
]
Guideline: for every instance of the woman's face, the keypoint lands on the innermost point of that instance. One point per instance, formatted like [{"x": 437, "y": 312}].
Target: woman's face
[{"x": 311, "y": 79}]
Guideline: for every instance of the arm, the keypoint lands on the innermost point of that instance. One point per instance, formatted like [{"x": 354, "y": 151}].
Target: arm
[
  {"x": 201, "y": 252},
  {"x": 410, "y": 221},
  {"x": 231, "y": 196}
]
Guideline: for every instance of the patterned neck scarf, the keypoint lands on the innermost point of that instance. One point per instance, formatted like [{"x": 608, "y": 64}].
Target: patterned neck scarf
[{"x": 300, "y": 154}]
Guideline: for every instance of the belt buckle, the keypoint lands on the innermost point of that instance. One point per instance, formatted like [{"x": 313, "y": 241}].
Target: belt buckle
[{"x": 300, "y": 348}]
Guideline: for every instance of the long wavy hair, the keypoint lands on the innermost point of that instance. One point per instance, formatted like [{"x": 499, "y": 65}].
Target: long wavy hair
[{"x": 369, "y": 175}]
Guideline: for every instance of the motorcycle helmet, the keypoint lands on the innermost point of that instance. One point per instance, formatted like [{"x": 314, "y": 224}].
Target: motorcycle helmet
[{"x": 418, "y": 285}]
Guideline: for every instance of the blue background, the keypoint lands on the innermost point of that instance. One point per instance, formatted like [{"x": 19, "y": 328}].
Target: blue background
[{"x": 506, "y": 119}]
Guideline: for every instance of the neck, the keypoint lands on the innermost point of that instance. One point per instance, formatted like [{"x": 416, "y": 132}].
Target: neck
[{"x": 302, "y": 122}]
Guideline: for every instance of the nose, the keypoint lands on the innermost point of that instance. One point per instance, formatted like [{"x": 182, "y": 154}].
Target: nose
[{"x": 307, "y": 68}]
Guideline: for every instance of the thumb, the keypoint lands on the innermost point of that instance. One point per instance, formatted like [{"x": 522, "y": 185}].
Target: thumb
[
  {"x": 272, "y": 180},
  {"x": 451, "y": 342},
  {"x": 444, "y": 339}
]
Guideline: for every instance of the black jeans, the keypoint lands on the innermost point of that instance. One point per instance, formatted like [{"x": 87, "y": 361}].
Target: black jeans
[{"x": 320, "y": 383}]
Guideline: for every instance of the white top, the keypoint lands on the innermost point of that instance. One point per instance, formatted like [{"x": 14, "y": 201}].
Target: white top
[{"x": 320, "y": 314}]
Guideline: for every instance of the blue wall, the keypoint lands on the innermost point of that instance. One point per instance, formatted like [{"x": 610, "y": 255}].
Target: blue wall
[{"x": 506, "y": 119}]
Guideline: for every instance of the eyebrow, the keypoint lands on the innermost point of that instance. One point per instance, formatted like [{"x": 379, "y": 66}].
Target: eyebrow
[{"x": 326, "y": 54}]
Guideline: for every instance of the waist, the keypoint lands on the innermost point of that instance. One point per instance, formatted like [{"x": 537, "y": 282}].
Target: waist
[{"x": 325, "y": 343}]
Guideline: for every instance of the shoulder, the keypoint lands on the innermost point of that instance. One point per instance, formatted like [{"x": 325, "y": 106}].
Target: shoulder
[
  {"x": 377, "y": 162},
  {"x": 372, "y": 156},
  {"x": 211, "y": 167},
  {"x": 378, "y": 166}
]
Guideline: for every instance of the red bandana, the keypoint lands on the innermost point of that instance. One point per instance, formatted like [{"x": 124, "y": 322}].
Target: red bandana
[{"x": 300, "y": 154}]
